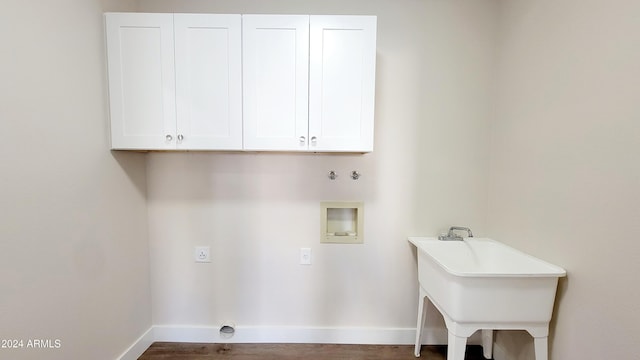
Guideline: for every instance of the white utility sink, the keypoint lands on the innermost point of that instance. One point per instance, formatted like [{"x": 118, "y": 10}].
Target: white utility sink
[{"x": 482, "y": 284}]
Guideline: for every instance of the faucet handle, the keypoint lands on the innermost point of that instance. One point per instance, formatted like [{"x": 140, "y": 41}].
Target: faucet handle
[{"x": 460, "y": 228}]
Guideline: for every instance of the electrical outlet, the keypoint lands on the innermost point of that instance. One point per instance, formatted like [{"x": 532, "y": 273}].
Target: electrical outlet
[
  {"x": 305, "y": 256},
  {"x": 202, "y": 254}
]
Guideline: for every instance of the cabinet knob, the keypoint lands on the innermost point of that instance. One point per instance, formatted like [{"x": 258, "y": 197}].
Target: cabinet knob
[
  {"x": 169, "y": 137},
  {"x": 303, "y": 140},
  {"x": 314, "y": 140},
  {"x": 180, "y": 137}
]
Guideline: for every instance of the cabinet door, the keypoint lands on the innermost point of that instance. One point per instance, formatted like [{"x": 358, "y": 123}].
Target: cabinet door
[
  {"x": 141, "y": 80},
  {"x": 208, "y": 81},
  {"x": 275, "y": 81},
  {"x": 342, "y": 82}
]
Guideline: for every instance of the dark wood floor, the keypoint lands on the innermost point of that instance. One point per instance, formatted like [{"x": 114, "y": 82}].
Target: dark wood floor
[{"x": 191, "y": 351}]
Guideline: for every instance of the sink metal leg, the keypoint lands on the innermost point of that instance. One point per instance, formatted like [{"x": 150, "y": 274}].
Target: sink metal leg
[
  {"x": 457, "y": 347},
  {"x": 541, "y": 348},
  {"x": 487, "y": 343},
  {"x": 422, "y": 317}
]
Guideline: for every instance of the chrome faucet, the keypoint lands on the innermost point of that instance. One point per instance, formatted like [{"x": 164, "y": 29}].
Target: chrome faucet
[{"x": 453, "y": 236}]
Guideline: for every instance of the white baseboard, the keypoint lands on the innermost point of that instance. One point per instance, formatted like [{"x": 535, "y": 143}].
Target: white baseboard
[
  {"x": 139, "y": 346},
  {"x": 293, "y": 334},
  {"x": 286, "y": 334}
]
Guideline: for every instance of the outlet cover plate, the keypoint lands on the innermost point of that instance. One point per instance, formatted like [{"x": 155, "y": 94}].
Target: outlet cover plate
[
  {"x": 305, "y": 256},
  {"x": 202, "y": 254}
]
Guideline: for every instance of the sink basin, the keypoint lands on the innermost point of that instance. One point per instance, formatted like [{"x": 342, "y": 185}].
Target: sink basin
[{"x": 482, "y": 284}]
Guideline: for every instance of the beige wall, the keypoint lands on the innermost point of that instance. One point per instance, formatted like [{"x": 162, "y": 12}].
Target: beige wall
[
  {"x": 552, "y": 156},
  {"x": 73, "y": 237},
  {"x": 428, "y": 171},
  {"x": 565, "y": 175}
]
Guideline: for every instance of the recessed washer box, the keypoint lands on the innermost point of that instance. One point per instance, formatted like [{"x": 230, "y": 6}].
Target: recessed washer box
[{"x": 341, "y": 222}]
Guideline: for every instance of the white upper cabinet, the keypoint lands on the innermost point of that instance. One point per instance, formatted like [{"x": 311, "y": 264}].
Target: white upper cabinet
[
  {"x": 342, "y": 83},
  {"x": 276, "y": 81},
  {"x": 175, "y": 81},
  {"x": 309, "y": 82},
  {"x": 141, "y": 80},
  {"x": 241, "y": 82},
  {"x": 208, "y": 81}
]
